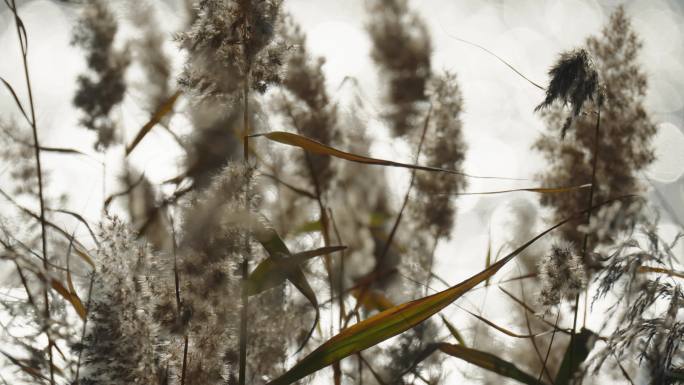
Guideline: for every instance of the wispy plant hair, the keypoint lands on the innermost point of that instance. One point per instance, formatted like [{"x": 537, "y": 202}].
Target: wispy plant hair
[
  {"x": 228, "y": 41},
  {"x": 120, "y": 345}
]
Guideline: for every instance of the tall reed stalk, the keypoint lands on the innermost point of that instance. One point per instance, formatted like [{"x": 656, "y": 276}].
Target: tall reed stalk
[
  {"x": 23, "y": 42},
  {"x": 242, "y": 372},
  {"x": 590, "y": 204}
]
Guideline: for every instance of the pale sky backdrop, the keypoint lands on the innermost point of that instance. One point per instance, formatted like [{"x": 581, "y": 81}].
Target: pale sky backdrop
[{"x": 498, "y": 119}]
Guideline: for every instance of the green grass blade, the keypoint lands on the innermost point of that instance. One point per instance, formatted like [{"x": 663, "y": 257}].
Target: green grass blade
[
  {"x": 454, "y": 332},
  {"x": 282, "y": 265},
  {"x": 272, "y": 272}
]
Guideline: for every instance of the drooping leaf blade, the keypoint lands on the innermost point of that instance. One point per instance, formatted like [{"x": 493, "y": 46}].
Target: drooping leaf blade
[
  {"x": 380, "y": 327},
  {"x": 651, "y": 269},
  {"x": 278, "y": 256},
  {"x": 540, "y": 190},
  {"x": 272, "y": 272},
  {"x": 489, "y": 362},
  {"x": 375, "y": 300},
  {"x": 16, "y": 99},
  {"x": 158, "y": 115},
  {"x": 319, "y": 148},
  {"x": 504, "y": 330},
  {"x": 72, "y": 298}
]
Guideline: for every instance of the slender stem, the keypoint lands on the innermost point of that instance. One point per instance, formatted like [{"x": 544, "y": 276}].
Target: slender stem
[
  {"x": 326, "y": 237},
  {"x": 25, "y": 284},
  {"x": 340, "y": 283},
  {"x": 359, "y": 358},
  {"x": 245, "y": 260},
  {"x": 379, "y": 264},
  {"x": 176, "y": 279},
  {"x": 431, "y": 261},
  {"x": 39, "y": 170},
  {"x": 585, "y": 242},
  {"x": 242, "y": 371},
  {"x": 83, "y": 329},
  {"x": 548, "y": 350},
  {"x": 408, "y": 191},
  {"x": 529, "y": 330},
  {"x": 185, "y": 360},
  {"x": 337, "y": 371},
  {"x": 325, "y": 231}
]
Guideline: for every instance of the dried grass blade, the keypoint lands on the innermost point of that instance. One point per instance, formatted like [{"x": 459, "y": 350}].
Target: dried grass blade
[
  {"x": 504, "y": 330},
  {"x": 25, "y": 368},
  {"x": 162, "y": 111},
  {"x": 72, "y": 298},
  {"x": 79, "y": 218},
  {"x": 77, "y": 303},
  {"x": 319, "y": 148},
  {"x": 650, "y": 269},
  {"x": 16, "y": 99},
  {"x": 540, "y": 190}
]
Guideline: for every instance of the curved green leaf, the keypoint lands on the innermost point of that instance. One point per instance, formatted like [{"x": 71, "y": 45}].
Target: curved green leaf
[{"x": 272, "y": 272}]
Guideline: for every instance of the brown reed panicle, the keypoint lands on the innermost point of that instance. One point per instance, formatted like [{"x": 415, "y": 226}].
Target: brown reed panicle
[
  {"x": 229, "y": 43},
  {"x": 433, "y": 206},
  {"x": 148, "y": 51},
  {"x": 306, "y": 105},
  {"x": 401, "y": 49},
  {"x": 142, "y": 206},
  {"x": 626, "y": 130},
  {"x": 561, "y": 274},
  {"x": 574, "y": 81},
  {"x": 424, "y": 108},
  {"x": 213, "y": 142},
  {"x": 104, "y": 85}
]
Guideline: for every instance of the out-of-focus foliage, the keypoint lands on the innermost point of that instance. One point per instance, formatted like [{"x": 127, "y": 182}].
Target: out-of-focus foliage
[{"x": 103, "y": 87}]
